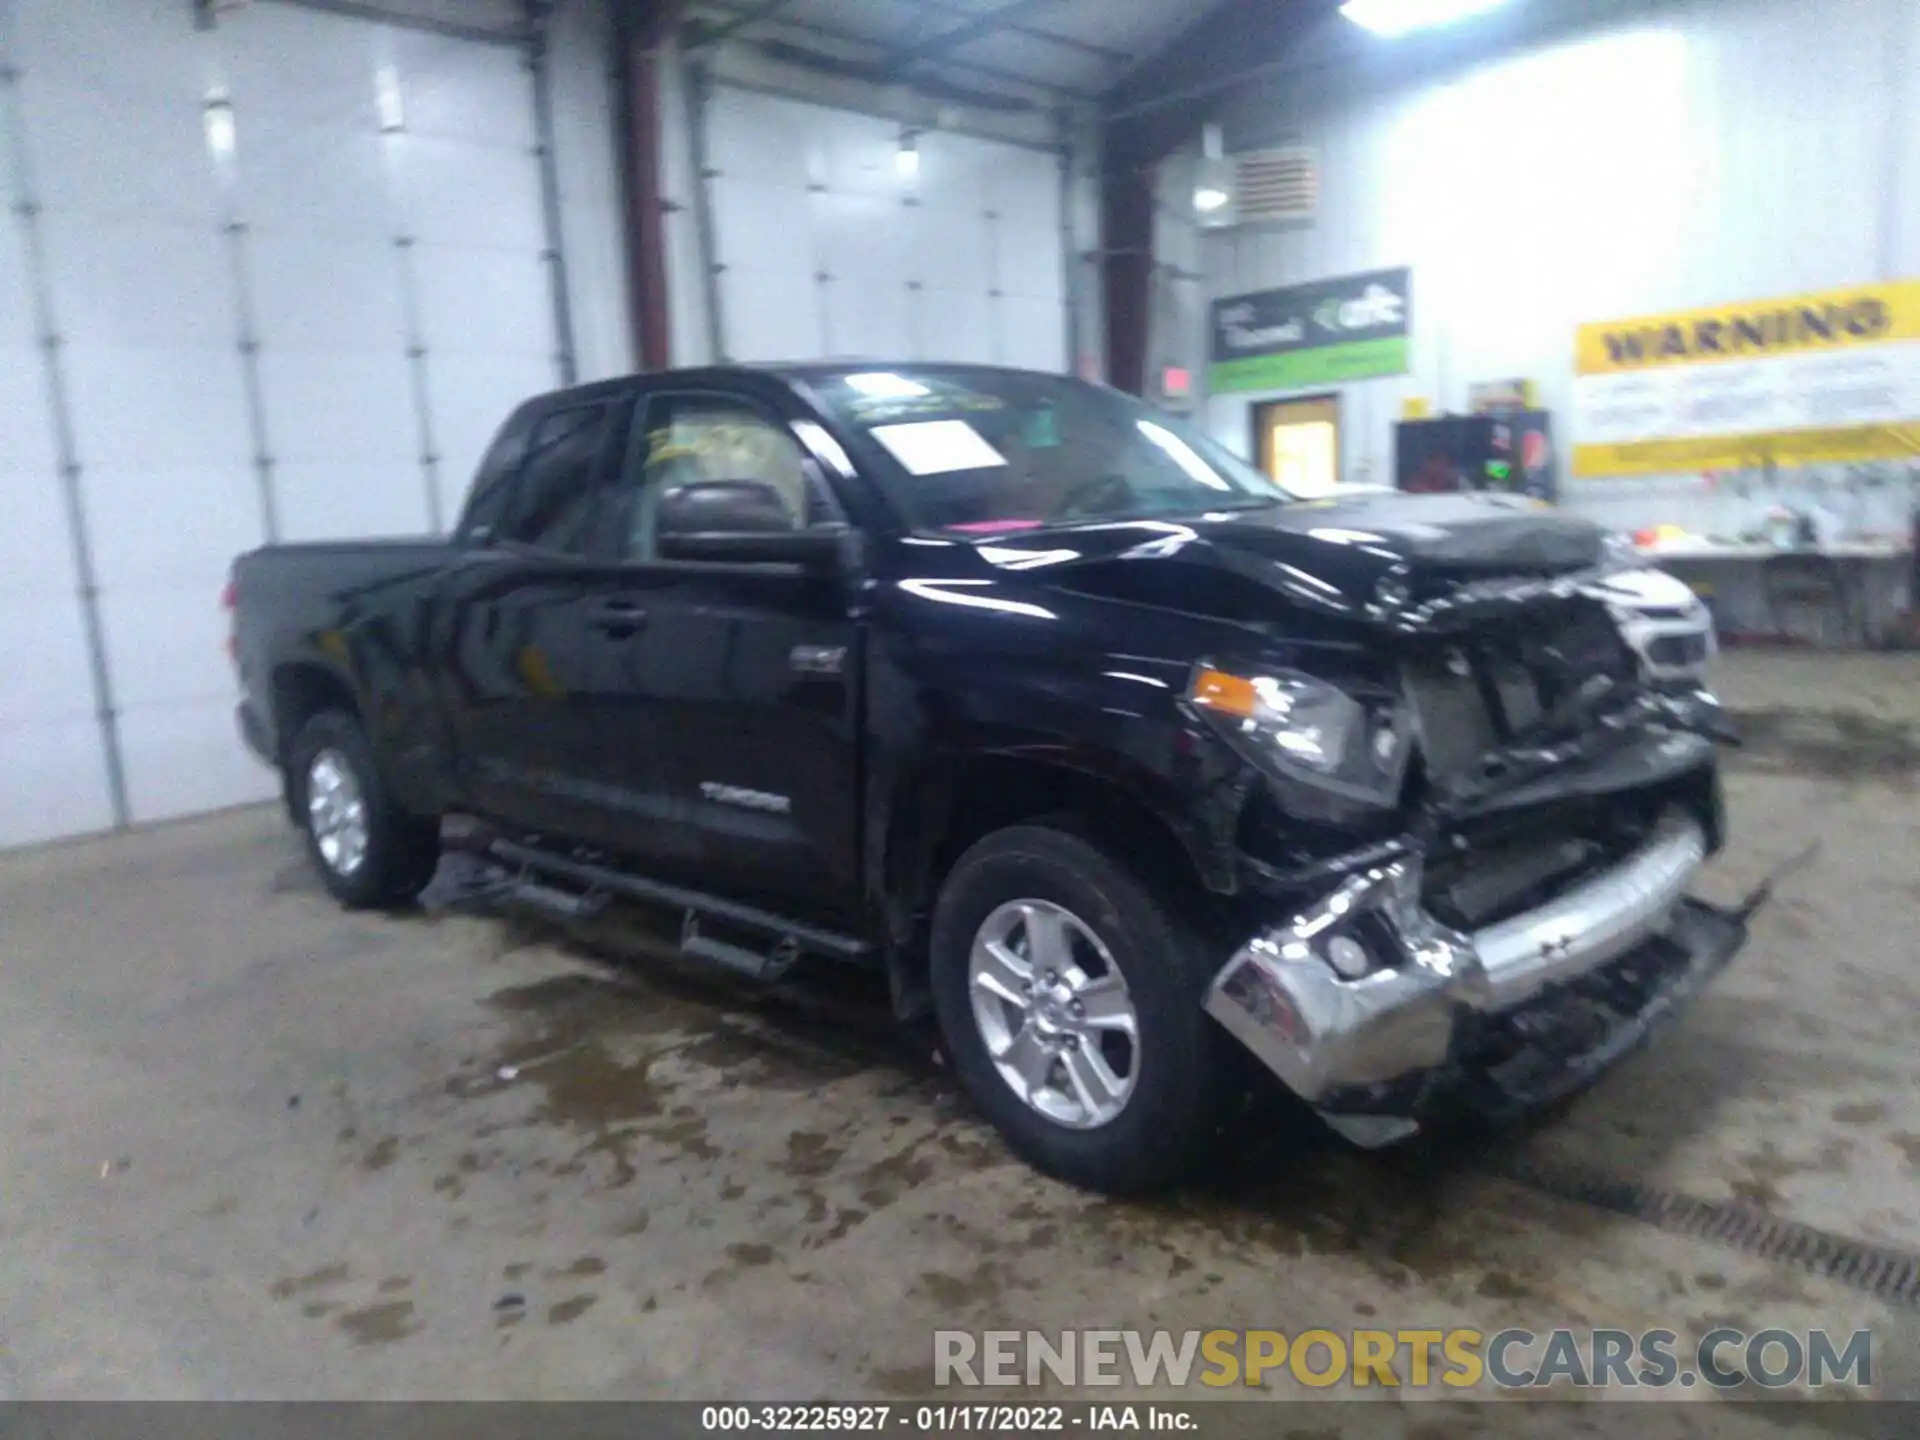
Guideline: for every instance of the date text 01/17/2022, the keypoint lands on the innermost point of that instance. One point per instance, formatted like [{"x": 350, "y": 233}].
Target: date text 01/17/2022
[{"x": 942, "y": 1419}]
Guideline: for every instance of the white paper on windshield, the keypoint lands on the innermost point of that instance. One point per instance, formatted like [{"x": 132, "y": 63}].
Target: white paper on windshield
[{"x": 933, "y": 447}]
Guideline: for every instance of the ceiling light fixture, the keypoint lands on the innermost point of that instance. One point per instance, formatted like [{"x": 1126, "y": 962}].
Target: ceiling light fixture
[
  {"x": 217, "y": 116},
  {"x": 1390, "y": 18},
  {"x": 1213, "y": 178},
  {"x": 907, "y": 159},
  {"x": 386, "y": 95}
]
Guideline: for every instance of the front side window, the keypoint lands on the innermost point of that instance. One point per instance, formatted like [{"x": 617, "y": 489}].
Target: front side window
[
  {"x": 554, "y": 505},
  {"x": 982, "y": 452},
  {"x": 701, "y": 439}
]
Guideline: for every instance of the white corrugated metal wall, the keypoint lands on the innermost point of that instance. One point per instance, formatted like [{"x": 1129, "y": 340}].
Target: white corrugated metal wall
[
  {"x": 824, "y": 248},
  {"x": 587, "y": 163},
  {"x": 1683, "y": 153},
  {"x": 279, "y": 278}
]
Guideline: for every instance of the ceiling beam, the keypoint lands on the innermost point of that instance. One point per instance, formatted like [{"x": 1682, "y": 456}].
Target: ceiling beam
[
  {"x": 918, "y": 52},
  {"x": 1320, "y": 38},
  {"x": 1146, "y": 113},
  {"x": 946, "y": 62},
  {"x": 1108, "y": 53},
  {"x": 1232, "y": 36},
  {"x": 743, "y": 17},
  {"x": 400, "y": 19}
]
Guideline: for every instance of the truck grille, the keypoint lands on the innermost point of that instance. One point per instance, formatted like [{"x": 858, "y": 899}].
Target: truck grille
[
  {"x": 1476, "y": 695},
  {"x": 1499, "y": 865},
  {"x": 1455, "y": 725}
]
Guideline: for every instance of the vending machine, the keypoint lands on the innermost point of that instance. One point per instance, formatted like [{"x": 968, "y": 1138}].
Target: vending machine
[{"x": 1510, "y": 451}]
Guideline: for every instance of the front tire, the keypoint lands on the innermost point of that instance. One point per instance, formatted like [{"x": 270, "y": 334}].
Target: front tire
[
  {"x": 367, "y": 850},
  {"x": 1069, "y": 996}
]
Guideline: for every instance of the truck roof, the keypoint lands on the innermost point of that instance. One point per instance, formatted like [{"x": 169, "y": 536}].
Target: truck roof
[{"x": 797, "y": 371}]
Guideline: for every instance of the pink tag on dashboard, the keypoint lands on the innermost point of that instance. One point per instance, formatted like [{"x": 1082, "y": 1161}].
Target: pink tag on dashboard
[{"x": 996, "y": 527}]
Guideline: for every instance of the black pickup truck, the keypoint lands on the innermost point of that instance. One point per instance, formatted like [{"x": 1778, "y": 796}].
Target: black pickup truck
[{"x": 1104, "y": 749}]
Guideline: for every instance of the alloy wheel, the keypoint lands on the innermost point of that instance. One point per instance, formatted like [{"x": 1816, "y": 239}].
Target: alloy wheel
[
  {"x": 1055, "y": 1013},
  {"x": 336, "y": 812}
]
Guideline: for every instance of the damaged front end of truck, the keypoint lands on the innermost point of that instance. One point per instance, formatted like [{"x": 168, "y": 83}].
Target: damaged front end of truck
[{"x": 1536, "y": 793}]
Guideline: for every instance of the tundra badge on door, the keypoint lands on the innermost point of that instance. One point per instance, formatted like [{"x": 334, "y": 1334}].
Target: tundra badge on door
[{"x": 746, "y": 799}]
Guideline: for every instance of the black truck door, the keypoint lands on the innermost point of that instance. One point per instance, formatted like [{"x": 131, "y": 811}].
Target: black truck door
[
  {"x": 727, "y": 715},
  {"x": 518, "y": 602}
]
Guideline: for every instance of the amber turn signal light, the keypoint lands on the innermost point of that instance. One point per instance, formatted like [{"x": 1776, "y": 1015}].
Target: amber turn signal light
[{"x": 1226, "y": 693}]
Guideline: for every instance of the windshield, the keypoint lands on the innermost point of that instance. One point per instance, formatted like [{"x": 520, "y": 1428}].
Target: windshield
[{"x": 987, "y": 452}]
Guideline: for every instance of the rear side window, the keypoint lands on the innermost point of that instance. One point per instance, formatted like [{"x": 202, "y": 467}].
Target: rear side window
[
  {"x": 559, "y": 481},
  {"x": 493, "y": 484}
]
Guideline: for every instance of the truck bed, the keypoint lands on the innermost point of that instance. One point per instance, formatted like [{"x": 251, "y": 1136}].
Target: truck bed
[
  {"x": 331, "y": 567},
  {"x": 349, "y": 608}
]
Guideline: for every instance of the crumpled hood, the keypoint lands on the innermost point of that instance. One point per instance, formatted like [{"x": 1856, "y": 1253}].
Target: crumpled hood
[
  {"x": 1332, "y": 555},
  {"x": 1465, "y": 533}
]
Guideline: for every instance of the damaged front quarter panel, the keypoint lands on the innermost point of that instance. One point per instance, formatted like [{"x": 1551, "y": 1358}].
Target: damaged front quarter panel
[{"x": 1381, "y": 1015}]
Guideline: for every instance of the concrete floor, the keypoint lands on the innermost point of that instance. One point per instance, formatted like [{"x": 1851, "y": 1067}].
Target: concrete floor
[{"x": 253, "y": 1146}]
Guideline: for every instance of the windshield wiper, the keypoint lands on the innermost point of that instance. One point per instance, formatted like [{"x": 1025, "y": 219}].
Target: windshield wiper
[{"x": 1259, "y": 503}]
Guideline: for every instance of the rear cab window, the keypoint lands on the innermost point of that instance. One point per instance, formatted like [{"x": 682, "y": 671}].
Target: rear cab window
[
  {"x": 542, "y": 484},
  {"x": 493, "y": 482}
]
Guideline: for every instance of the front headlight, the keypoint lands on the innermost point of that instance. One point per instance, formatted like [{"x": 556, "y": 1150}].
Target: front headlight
[
  {"x": 1618, "y": 552},
  {"x": 1305, "y": 729}
]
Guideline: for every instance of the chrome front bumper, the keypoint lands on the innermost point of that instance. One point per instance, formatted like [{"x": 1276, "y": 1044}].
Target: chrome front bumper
[{"x": 1326, "y": 1035}]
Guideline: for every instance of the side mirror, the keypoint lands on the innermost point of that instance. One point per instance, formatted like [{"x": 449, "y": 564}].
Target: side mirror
[
  {"x": 741, "y": 522},
  {"x": 736, "y": 507}
]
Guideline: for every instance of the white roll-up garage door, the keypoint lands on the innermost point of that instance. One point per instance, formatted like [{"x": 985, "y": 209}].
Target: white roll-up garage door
[
  {"x": 828, "y": 248},
  {"x": 277, "y": 279}
]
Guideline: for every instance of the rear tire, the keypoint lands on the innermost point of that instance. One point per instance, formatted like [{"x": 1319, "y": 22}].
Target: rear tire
[
  {"x": 1050, "y": 1063},
  {"x": 367, "y": 850}
]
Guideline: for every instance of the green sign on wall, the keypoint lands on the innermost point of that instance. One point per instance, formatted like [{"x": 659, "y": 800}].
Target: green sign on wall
[{"x": 1325, "y": 333}]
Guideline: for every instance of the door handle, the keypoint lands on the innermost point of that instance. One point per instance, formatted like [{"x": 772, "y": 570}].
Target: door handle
[{"x": 618, "y": 616}]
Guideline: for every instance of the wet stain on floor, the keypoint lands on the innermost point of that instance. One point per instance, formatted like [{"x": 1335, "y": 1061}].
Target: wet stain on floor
[
  {"x": 382, "y": 1154},
  {"x": 379, "y": 1324},
  {"x": 1766, "y": 1168},
  {"x": 568, "y": 1311},
  {"x": 686, "y": 1136},
  {"x": 809, "y": 1155},
  {"x": 604, "y": 1057},
  {"x": 883, "y": 1182},
  {"x": 320, "y": 1279},
  {"x": 986, "y": 1282},
  {"x": 607, "y": 1051},
  {"x": 844, "y": 1222},
  {"x": 1858, "y": 1113},
  {"x": 1835, "y": 745}
]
